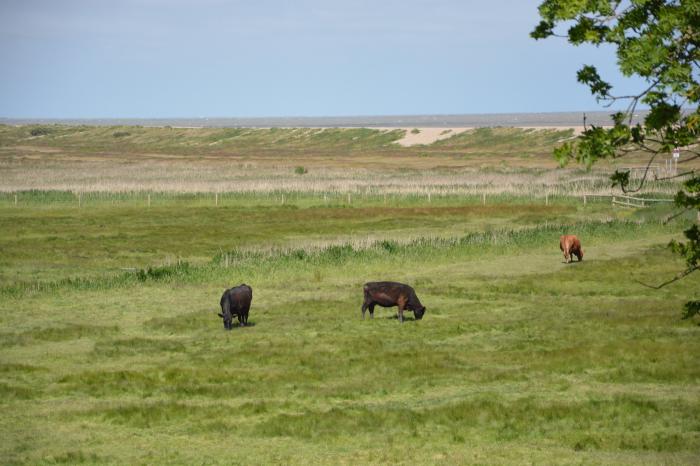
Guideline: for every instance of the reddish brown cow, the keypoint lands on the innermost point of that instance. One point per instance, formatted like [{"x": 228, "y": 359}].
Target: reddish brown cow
[
  {"x": 389, "y": 294},
  {"x": 570, "y": 246}
]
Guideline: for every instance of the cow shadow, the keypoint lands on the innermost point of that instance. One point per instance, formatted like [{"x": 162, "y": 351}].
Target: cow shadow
[
  {"x": 405, "y": 317},
  {"x": 249, "y": 324}
]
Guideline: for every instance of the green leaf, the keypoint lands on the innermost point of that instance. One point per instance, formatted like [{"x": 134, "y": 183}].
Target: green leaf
[
  {"x": 662, "y": 115},
  {"x": 543, "y": 30},
  {"x": 691, "y": 309},
  {"x": 589, "y": 75},
  {"x": 621, "y": 179},
  {"x": 564, "y": 153}
]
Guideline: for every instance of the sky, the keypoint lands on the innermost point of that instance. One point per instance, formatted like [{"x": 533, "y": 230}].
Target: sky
[{"x": 270, "y": 58}]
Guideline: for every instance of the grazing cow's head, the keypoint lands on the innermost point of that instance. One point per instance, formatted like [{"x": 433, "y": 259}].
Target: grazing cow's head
[
  {"x": 228, "y": 319},
  {"x": 418, "y": 313},
  {"x": 579, "y": 254}
]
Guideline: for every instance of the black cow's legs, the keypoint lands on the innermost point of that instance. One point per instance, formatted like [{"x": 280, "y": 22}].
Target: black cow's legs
[{"x": 366, "y": 306}]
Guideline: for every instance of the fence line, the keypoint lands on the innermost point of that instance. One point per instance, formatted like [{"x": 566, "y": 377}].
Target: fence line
[
  {"x": 625, "y": 200},
  {"x": 217, "y": 199}
]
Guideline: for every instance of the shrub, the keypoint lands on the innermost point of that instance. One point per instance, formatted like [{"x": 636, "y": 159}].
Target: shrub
[
  {"x": 40, "y": 131},
  {"x": 121, "y": 134},
  {"x": 300, "y": 170}
]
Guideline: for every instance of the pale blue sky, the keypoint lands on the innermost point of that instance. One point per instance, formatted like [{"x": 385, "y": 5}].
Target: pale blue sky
[{"x": 180, "y": 58}]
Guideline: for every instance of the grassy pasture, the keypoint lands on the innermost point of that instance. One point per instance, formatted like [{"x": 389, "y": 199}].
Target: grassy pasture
[{"x": 520, "y": 358}]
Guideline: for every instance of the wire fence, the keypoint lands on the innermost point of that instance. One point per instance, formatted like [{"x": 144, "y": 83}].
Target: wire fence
[{"x": 147, "y": 199}]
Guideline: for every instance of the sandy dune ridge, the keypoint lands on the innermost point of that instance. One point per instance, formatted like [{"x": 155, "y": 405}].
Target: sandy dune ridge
[{"x": 416, "y": 136}]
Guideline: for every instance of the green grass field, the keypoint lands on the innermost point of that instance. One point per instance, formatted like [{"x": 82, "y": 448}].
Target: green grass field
[{"x": 111, "y": 351}]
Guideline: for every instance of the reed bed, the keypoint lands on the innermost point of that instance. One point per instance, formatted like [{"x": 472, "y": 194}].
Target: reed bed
[{"x": 177, "y": 179}]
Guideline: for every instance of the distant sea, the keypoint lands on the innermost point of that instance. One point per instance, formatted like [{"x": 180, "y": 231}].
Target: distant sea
[{"x": 566, "y": 119}]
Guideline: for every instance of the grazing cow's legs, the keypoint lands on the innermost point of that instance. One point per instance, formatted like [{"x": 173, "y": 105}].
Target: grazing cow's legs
[
  {"x": 401, "y": 303},
  {"x": 368, "y": 305}
]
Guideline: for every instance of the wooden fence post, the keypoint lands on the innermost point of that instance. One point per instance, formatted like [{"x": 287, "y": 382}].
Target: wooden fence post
[
  {"x": 429, "y": 196},
  {"x": 15, "y": 199},
  {"x": 546, "y": 198},
  {"x": 483, "y": 198},
  {"x": 584, "y": 199},
  {"x": 149, "y": 200},
  {"x": 216, "y": 199},
  {"x": 349, "y": 199}
]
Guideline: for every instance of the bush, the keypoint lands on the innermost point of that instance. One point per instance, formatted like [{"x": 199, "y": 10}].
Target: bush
[
  {"x": 415, "y": 131},
  {"x": 121, "y": 134},
  {"x": 300, "y": 170},
  {"x": 40, "y": 131}
]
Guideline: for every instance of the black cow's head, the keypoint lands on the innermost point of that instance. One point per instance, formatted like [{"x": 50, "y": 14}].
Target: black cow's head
[
  {"x": 228, "y": 319},
  {"x": 418, "y": 313}
]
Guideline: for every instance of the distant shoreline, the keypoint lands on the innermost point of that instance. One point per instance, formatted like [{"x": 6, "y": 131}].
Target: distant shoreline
[{"x": 520, "y": 120}]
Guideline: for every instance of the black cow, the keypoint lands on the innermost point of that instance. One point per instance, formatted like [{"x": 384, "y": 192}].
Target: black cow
[
  {"x": 236, "y": 302},
  {"x": 389, "y": 294}
]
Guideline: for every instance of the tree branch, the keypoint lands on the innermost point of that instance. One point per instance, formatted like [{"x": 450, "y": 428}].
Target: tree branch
[
  {"x": 664, "y": 178},
  {"x": 644, "y": 178},
  {"x": 696, "y": 156},
  {"x": 683, "y": 274},
  {"x": 676, "y": 215}
]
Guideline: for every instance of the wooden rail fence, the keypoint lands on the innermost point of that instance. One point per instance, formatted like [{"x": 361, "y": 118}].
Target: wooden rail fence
[{"x": 626, "y": 201}]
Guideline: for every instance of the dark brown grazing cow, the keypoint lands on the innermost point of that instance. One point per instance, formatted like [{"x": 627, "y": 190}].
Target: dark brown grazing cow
[
  {"x": 236, "y": 302},
  {"x": 570, "y": 246},
  {"x": 389, "y": 294}
]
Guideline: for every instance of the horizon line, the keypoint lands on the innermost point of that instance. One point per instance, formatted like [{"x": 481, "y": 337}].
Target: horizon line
[{"x": 355, "y": 116}]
